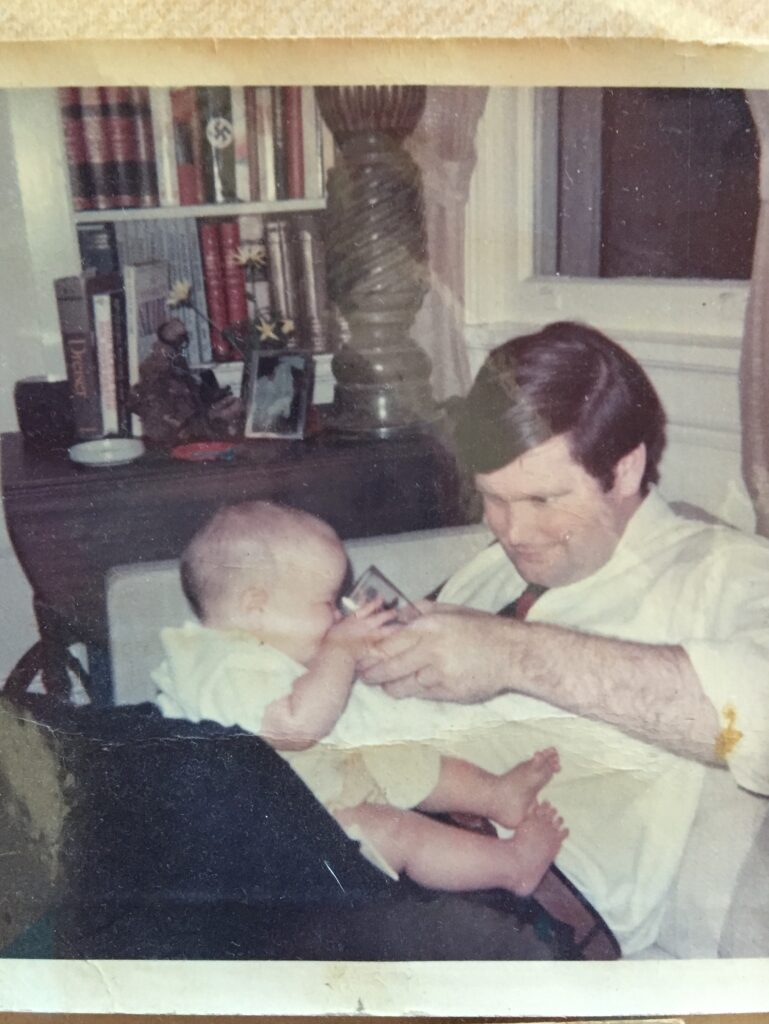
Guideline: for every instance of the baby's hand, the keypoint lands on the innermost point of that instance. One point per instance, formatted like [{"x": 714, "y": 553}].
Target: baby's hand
[{"x": 363, "y": 628}]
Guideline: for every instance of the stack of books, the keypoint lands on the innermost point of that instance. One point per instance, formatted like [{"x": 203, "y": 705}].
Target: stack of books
[
  {"x": 139, "y": 147},
  {"x": 110, "y": 313},
  {"x": 291, "y": 283}
]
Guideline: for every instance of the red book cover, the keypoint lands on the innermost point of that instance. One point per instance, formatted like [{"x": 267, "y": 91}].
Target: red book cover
[
  {"x": 189, "y": 146},
  {"x": 121, "y": 131},
  {"x": 89, "y": 151},
  {"x": 234, "y": 274},
  {"x": 80, "y": 178},
  {"x": 293, "y": 140},
  {"x": 147, "y": 173},
  {"x": 216, "y": 288}
]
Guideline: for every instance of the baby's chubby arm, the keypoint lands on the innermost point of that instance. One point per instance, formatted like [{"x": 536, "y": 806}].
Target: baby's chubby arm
[{"x": 319, "y": 696}]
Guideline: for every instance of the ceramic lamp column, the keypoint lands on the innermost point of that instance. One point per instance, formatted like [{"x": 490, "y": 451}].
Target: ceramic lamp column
[{"x": 376, "y": 252}]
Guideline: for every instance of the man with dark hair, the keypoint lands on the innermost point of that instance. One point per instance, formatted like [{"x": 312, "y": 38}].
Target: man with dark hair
[{"x": 646, "y": 654}]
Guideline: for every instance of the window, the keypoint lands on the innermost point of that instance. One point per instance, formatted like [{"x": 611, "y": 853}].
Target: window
[{"x": 651, "y": 183}]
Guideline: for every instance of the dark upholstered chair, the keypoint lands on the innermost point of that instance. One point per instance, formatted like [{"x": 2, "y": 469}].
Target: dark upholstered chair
[{"x": 164, "y": 839}]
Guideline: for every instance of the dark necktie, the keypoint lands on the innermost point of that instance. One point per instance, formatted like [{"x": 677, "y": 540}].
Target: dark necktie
[{"x": 521, "y": 606}]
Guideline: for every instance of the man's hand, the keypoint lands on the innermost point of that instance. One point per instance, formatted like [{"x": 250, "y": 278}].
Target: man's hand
[{"x": 448, "y": 653}]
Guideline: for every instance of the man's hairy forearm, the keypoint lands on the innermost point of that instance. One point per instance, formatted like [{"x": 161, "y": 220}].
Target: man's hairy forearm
[{"x": 649, "y": 691}]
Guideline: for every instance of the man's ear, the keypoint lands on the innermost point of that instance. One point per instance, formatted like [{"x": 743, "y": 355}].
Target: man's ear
[{"x": 629, "y": 472}]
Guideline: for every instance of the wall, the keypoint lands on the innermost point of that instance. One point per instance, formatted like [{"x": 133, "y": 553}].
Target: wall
[{"x": 687, "y": 337}]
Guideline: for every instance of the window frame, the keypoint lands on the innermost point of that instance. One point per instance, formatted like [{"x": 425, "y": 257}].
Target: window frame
[{"x": 503, "y": 246}]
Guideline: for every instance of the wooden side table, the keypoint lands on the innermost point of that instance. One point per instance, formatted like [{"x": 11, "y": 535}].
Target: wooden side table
[{"x": 69, "y": 525}]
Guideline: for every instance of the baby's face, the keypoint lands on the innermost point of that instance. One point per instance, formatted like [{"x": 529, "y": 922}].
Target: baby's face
[{"x": 302, "y": 606}]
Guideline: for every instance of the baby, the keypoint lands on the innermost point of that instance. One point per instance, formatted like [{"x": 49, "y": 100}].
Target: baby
[{"x": 272, "y": 654}]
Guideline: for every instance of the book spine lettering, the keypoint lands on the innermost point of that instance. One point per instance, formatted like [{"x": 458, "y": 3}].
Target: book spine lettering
[{"x": 79, "y": 357}]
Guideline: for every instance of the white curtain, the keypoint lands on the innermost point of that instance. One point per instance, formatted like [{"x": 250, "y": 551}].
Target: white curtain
[
  {"x": 754, "y": 365},
  {"x": 443, "y": 146}
]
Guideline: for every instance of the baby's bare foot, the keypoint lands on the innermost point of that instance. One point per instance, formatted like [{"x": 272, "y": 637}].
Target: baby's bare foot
[
  {"x": 517, "y": 790},
  {"x": 533, "y": 847}
]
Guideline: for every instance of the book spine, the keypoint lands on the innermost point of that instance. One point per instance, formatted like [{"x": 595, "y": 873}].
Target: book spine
[
  {"x": 252, "y": 142},
  {"x": 312, "y": 144},
  {"x": 189, "y": 146},
  {"x": 216, "y": 295},
  {"x": 164, "y": 142},
  {"x": 94, "y": 114},
  {"x": 120, "y": 356},
  {"x": 266, "y": 144},
  {"x": 81, "y": 183},
  {"x": 279, "y": 144},
  {"x": 312, "y": 287},
  {"x": 234, "y": 275},
  {"x": 79, "y": 357},
  {"x": 240, "y": 144},
  {"x": 105, "y": 358},
  {"x": 219, "y": 159},
  {"x": 198, "y": 289},
  {"x": 291, "y": 106},
  {"x": 147, "y": 169},
  {"x": 98, "y": 248},
  {"x": 122, "y": 130}
]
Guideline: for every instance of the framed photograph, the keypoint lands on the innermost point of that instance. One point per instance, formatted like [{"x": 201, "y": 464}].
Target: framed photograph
[{"x": 278, "y": 391}]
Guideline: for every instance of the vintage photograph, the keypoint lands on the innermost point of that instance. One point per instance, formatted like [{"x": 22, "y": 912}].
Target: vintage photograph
[
  {"x": 535, "y": 322},
  {"x": 279, "y": 391}
]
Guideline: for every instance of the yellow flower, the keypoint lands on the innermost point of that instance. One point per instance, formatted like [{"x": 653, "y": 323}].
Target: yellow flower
[
  {"x": 179, "y": 295},
  {"x": 288, "y": 326},
  {"x": 250, "y": 256},
  {"x": 266, "y": 330}
]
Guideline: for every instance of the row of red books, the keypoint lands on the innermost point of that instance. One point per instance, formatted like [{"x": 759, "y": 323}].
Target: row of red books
[{"x": 144, "y": 147}]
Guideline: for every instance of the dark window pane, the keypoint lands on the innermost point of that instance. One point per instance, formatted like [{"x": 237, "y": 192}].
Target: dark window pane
[{"x": 678, "y": 184}]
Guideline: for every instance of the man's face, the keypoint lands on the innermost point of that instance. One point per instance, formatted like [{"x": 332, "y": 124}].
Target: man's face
[{"x": 555, "y": 521}]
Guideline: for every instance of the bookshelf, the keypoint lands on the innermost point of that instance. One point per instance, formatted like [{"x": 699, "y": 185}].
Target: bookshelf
[
  {"x": 190, "y": 178},
  {"x": 239, "y": 209}
]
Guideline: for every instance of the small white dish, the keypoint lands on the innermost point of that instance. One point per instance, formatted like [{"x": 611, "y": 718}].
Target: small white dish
[{"x": 107, "y": 451}]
